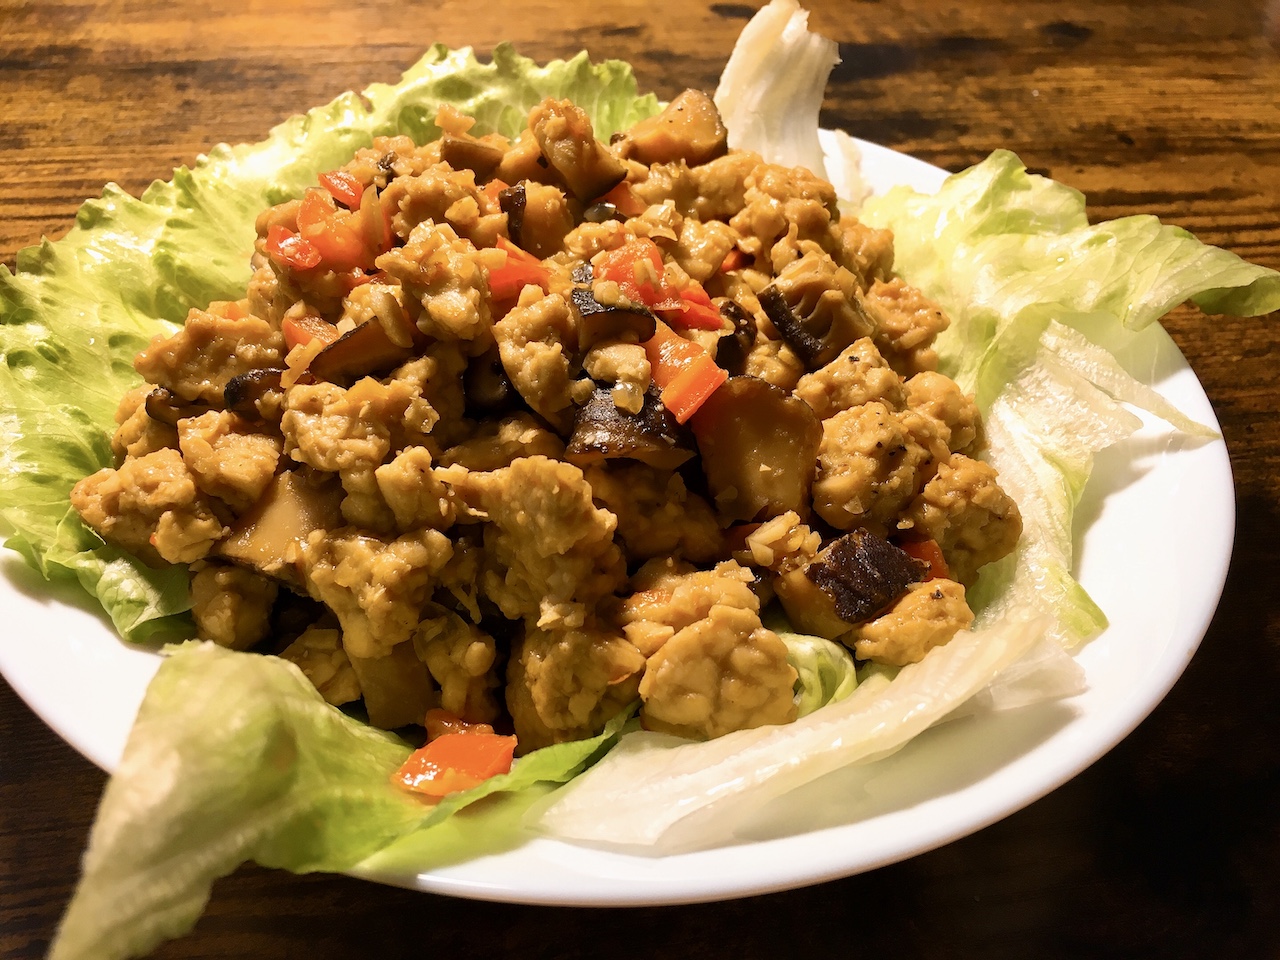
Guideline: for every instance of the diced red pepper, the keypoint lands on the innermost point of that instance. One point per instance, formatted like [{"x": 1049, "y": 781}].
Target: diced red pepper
[
  {"x": 456, "y": 761},
  {"x": 696, "y": 311},
  {"x": 493, "y": 188},
  {"x": 343, "y": 187},
  {"x": 930, "y": 553},
  {"x": 624, "y": 200},
  {"x": 288, "y": 249},
  {"x": 684, "y": 372},
  {"x": 334, "y": 233},
  {"x": 231, "y": 309},
  {"x": 735, "y": 259},
  {"x": 346, "y": 239},
  {"x": 521, "y": 268},
  {"x": 440, "y": 721},
  {"x": 304, "y": 329},
  {"x": 636, "y": 267}
]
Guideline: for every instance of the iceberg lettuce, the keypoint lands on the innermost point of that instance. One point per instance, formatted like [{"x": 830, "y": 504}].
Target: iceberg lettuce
[{"x": 303, "y": 786}]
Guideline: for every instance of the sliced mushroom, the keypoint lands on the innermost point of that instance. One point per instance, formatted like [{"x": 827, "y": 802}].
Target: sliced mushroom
[
  {"x": 469, "y": 153},
  {"x": 242, "y": 393},
  {"x": 850, "y": 581},
  {"x": 165, "y": 406},
  {"x": 268, "y": 536},
  {"x": 759, "y": 449},
  {"x": 732, "y": 351},
  {"x": 397, "y": 688},
  {"x": 598, "y": 321},
  {"x": 603, "y": 432},
  {"x": 689, "y": 129},
  {"x": 565, "y": 137},
  {"x": 829, "y": 324},
  {"x": 366, "y": 349}
]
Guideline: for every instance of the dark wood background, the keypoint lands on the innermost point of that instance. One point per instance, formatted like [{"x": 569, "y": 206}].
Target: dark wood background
[{"x": 1168, "y": 847}]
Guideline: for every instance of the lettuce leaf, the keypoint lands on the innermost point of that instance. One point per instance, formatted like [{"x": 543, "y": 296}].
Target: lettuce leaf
[
  {"x": 665, "y": 795},
  {"x": 79, "y": 309},
  {"x": 825, "y": 671},
  {"x": 1005, "y": 252},
  {"x": 1013, "y": 259},
  {"x": 236, "y": 757},
  {"x": 771, "y": 89},
  {"x": 231, "y": 757}
]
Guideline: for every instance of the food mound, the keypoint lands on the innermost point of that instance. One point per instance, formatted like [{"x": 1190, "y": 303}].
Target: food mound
[{"x": 527, "y": 430}]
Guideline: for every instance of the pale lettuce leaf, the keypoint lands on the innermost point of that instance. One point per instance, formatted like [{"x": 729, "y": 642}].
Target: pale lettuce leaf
[
  {"x": 236, "y": 757},
  {"x": 666, "y": 795},
  {"x": 1006, "y": 251},
  {"x": 771, "y": 89}
]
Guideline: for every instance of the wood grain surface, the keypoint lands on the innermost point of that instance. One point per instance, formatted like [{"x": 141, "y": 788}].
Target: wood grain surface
[{"x": 1167, "y": 847}]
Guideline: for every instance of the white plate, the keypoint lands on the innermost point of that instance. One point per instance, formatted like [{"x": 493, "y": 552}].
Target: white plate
[{"x": 1158, "y": 517}]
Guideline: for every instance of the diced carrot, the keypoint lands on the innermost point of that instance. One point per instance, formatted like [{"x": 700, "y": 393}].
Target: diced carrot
[
  {"x": 685, "y": 372},
  {"x": 930, "y": 553},
  {"x": 456, "y": 761}
]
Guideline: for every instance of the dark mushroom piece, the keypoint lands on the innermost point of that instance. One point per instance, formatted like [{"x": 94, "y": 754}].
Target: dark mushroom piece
[
  {"x": 827, "y": 327},
  {"x": 488, "y": 390},
  {"x": 511, "y": 201},
  {"x": 366, "y": 349},
  {"x": 598, "y": 321},
  {"x": 850, "y": 581},
  {"x": 732, "y": 351},
  {"x": 759, "y": 449},
  {"x": 165, "y": 406},
  {"x": 603, "y": 432},
  {"x": 242, "y": 393},
  {"x": 601, "y": 212}
]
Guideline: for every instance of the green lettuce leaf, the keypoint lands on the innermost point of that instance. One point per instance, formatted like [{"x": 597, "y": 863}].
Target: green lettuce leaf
[
  {"x": 825, "y": 671},
  {"x": 79, "y": 309},
  {"x": 1013, "y": 259},
  {"x": 236, "y": 757},
  {"x": 1006, "y": 252},
  {"x": 232, "y": 757}
]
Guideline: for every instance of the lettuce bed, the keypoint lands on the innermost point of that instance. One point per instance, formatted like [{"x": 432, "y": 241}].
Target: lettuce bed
[{"x": 286, "y": 780}]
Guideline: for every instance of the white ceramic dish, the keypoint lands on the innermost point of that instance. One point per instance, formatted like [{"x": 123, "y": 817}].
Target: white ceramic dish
[{"x": 1157, "y": 521}]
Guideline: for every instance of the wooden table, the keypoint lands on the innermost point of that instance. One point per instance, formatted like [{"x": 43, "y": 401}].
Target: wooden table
[{"x": 1167, "y": 847}]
